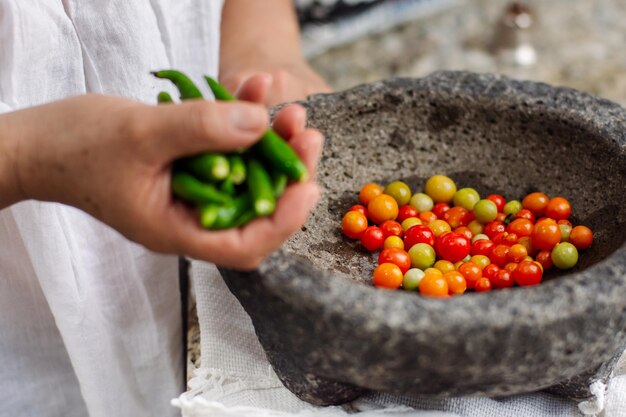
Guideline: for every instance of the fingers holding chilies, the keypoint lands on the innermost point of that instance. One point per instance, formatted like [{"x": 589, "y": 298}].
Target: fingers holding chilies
[{"x": 188, "y": 90}]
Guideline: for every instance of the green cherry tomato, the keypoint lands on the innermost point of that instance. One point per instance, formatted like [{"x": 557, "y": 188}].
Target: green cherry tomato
[
  {"x": 422, "y": 202},
  {"x": 422, "y": 256},
  {"x": 565, "y": 231},
  {"x": 412, "y": 279},
  {"x": 512, "y": 207},
  {"x": 564, "y": 255},
  {"x": 399, "y": 191},
  {"x": 480, "y": 236},
  {"x": 466, "y": 198},
  {"x": 485, "y": 211}
]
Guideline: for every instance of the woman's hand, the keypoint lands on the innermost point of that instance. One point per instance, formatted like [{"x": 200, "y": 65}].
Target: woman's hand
[{"x": 111, "y": 157}]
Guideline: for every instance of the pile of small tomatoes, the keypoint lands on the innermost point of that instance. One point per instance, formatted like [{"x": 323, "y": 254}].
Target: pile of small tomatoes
[{"x": 444, "y": 241}]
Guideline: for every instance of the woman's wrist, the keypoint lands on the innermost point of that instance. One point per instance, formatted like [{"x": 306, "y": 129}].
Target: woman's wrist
[{"x": 10, "y": 188}]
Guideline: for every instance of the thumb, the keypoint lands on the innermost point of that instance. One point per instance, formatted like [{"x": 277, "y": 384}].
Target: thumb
[{"x": 200, "y": 126}]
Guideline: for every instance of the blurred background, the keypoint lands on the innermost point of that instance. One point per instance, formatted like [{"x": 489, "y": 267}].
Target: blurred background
[{"x": 575, "y": 43}]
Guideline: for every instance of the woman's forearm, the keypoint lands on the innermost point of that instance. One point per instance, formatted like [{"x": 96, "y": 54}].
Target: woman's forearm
[
  {"x": 267, "y": 29},
  {"x": 10, "y": 190}
]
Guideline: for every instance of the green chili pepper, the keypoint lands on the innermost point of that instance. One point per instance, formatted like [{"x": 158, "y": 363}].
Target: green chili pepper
[
  {"x": 237, "y": 169},
  {"x": 274, "y": 149},
  {"x": 208, "y": 215},
  {"x": 279, "y": 182},
  {"x": 219, "y": 217},
  {"x": 186, "y": 87},
  {"x": 209, "y": 167},
  {"x": 189, "y": 188},
  {"x": 245, "y": 218},
  {"x": 228, "y": 186},
  {"x": 164, "y": 97},
  {"x": 261, "y": 188}
]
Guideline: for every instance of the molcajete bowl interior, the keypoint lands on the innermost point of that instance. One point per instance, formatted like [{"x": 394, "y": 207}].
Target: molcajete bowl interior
[{"x": 331, "y": 335}]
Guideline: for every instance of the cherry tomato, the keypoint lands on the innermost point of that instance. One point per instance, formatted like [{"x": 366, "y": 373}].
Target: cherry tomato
[
  {"x": 511, "y": 266},
  {"x": 581, "y": 237},
  {"x": 527, "y": 273},
  {"x": 427, "y": 217},
  {"x": 434, "y": 286},
  {"x": 359, "y": 208},
  {"x": 525, "y": 214},
  {"x": 564, "y": 255},
  {"x": 482, "y": 285},
  {"x": 372, "y": 238},
  {"x": 471, "y": 272},
  {"x": 354, "y": 224},
  {"x": 498, "y": 200},
  {"x": 466, "y": 198},
  {"x": 502, "y": 279},
  {"x": 512, "y": 207},
  {"x": 391, "y": 228},
  {"x": 418, "y": 234},
  {"x": 422, "y": 256},
  {"x": 464, "y": 231},
  {"x": 433, "y": 271},
  {"x": 412, "y": 279},
  {"x": 369, "y": 191},
  {"x": 501, "y": 217},
  {"x": 521, "y": 227},
  {"x": 545, "y": 259},
  {"x": 481, "y": 260},
  {"x": 558, "y": 208},
  {"x": 511, "y": 239},
  {"x": 440, "y": 209},
  {"x": 397, "y": 257},
  {"x": 536, "y": 203},
  {"x": 500, "y": 255},
  {"x": 456, "y": 282},
  {"x": 455, "y": 217},
  {"x": 485, "y": 211},
  {"x": 494, "y": 227},
  {"x": 382, "y": 208},
  {"x": 490, "y": 271},
  {"x": 500, "y": 238},
  {"x": 440, "y": 188},
  {"x": 482, "y": 247},
  {"x": 410, "y": 222},
  {"x": 422, "y": 202},
  {"x": 475, "y": 227},
  {"x": 565, "y": 232},
  {"x": 399, "y": 191},
  {"x": 406, "y": 212},
  {"x": 388, "y": 276},
  {"x": 527, "y": 243},
  {"x": 564, "y": 221},
  {"x": 393, "y": 242},
  {"x": 518, "y": 252},
  {"x": 546, "y": 234},
  {"x": 444, "y": 266},
  {"x": 452, "y": 247},
  {"x": 439, "y": 227},
  {"x": 480, "y": 237}
]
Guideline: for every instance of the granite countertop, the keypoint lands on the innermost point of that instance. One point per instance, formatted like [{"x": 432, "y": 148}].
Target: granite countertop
[{"x": 579, "y": 43}]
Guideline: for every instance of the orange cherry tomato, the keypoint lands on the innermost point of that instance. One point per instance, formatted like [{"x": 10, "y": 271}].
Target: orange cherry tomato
[
  {"x": 354, "y": 224},
  {"x": 433, "y": 285},
  {"x": 456, "y": 282},
  {"x": 444, "y": 266},
  {"x": 521, "y": 227},
  {"x": 483, "y": 285},
  {"x": 393, "y": 242},
  {"x": 471, "y": 272},
  {"x": 518, "y": 252},
  {"x": 388, "y": 276},
  {"x": 546, "y": 234},
  {"x": 581, "y": 237},
  {"x": 536, "y": 203},
  {"x": 427, "y": 217},
  {"x": 369, "y": 192},
  {"x": 382, "y": 208},
  {"x": 558, "y": 208}
]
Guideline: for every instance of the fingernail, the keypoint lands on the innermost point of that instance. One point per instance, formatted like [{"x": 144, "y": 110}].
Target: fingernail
[{"x": 249, "y": 117}]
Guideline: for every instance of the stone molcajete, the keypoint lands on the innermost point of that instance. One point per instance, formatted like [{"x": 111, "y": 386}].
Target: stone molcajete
[{"x": 331, "y": 335}]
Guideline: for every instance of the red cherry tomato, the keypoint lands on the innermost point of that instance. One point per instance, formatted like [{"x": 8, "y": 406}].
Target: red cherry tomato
[
  {"x": 405, "y": 212},
  {"x": 525, "y": 214},
  {"x": 456, "y": 217},
  {"x": 359, "y": 208},
  {"x": 490, "y": 271},
  {"x": 527, "y": 273},
  {"x": 440, "y": 208},
  {"x": 502, "y": 279},
  {"x": 521, "y": 227},
  {"x": 546, "y": 234},
  {"x": 511, "y": 239},
  {"x": 372, "y": 238},
  {"x": 464, "y": 231},
  {"x": 354, "y": 224},
  {"x": 500, "y": 238},
  {"x": 452, "y": 247},
  {"x": 536, "y": 203},
  {"x": 545, "y": 259},
  {"x": 483, "y": 285},
  {"x": 498, "y": 200},
  {"x": 494, "y": 227},
  {"x": 558, "y": 208},
  {"x": 501, "y": 217},
  {"x": 397, "y": 257},
  {"x": 482, "y": 247},
  {"x": 418, "y": 234},
  {"x": 500, "y": 255},
  {"x": 581, "y": 237},
  {"x": 391, "y": 228}
]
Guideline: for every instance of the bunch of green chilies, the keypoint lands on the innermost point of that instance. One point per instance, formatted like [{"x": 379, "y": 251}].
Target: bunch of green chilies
[{"x": 232, "y": 189}]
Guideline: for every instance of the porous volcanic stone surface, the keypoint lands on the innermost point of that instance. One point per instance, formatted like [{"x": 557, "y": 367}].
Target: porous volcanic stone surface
[{"x": 331, "y": 335}]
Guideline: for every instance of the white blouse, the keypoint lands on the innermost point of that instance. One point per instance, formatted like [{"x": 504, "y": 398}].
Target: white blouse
[{"x": 90, "y": 323}]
